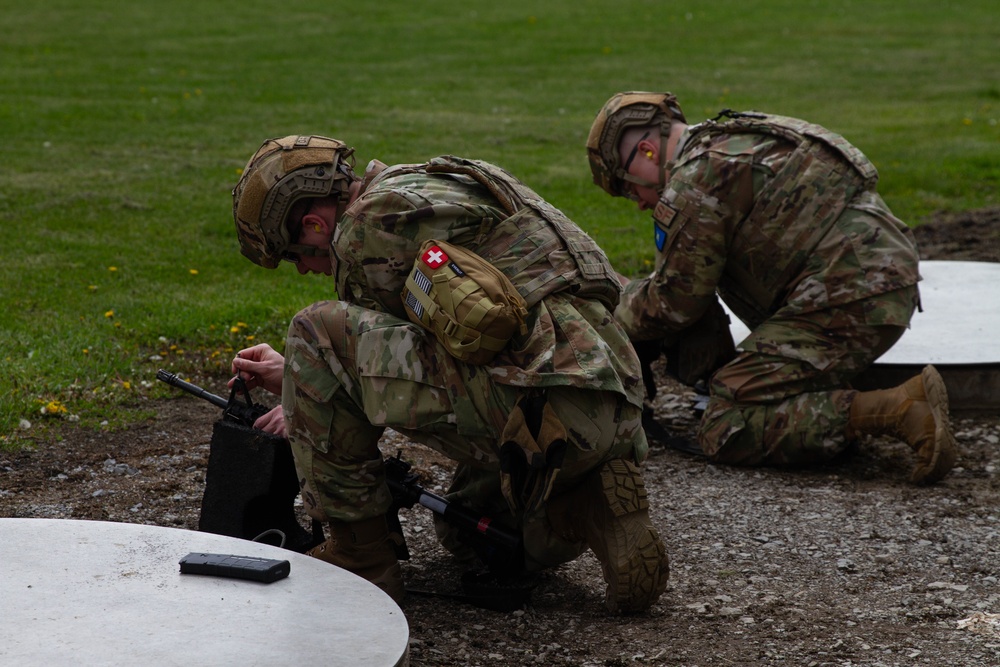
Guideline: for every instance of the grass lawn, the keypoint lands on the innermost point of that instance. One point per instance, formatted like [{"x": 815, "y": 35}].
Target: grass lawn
[{"x": 125, "y": 126}]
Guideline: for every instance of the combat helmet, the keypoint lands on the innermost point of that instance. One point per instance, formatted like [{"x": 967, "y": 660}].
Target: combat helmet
[
  {"x": 281, "y": 172},
  {"x": 621, "y": 112}
]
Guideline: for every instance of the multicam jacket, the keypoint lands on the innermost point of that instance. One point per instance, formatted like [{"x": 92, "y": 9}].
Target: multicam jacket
[
  {"x": 566, "y": 280},
  {"x": 774, "y": 214}
]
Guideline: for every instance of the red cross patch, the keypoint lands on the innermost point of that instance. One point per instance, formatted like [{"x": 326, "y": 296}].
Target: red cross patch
[{"x": 434, "y": 257}]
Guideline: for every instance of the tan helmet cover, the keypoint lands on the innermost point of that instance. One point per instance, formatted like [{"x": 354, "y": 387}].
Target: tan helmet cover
[
  {"x": 621, "y": 112},
  {"x": 281, "y": 172}
]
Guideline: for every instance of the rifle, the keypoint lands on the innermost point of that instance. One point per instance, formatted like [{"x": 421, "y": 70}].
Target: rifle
[
  {"x": 245, "y": 413},
  {"x": 505, "y": 586},
  {"x": 500, "y": 548}
]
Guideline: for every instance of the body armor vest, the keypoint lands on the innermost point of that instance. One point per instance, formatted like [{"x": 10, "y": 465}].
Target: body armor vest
[
  {"x": 536, "y": 246},
  {"x": 791, "y": 214}
]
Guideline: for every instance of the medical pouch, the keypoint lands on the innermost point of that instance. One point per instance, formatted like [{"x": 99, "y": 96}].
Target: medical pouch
[{"x": 468, "y": 304}]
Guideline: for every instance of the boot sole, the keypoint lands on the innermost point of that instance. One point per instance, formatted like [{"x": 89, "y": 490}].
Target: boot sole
[
  {"x": 945, "y": 450},
  {"x": 637, "y": 572}
]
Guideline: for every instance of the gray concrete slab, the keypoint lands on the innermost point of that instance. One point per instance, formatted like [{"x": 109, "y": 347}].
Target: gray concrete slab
[
  {"x": 960, "y": 322},
  {"x": 101, "y": 593}
]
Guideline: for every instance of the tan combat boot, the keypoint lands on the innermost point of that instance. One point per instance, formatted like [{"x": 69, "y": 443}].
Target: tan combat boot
[
  {"x": 363, "y": 547},
  {"x": 915, "y": 411},
  {"x": 609, "y": 512}
]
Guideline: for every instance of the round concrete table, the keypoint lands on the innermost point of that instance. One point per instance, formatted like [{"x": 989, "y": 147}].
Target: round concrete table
[{"x": 101, "y": 593}]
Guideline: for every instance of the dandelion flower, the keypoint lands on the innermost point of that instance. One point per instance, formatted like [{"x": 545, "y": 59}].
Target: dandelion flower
[{"x": 53, "y": 408}]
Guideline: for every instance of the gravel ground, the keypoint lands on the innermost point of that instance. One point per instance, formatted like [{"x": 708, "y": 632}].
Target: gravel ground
[{"x": 843, "y": 565}]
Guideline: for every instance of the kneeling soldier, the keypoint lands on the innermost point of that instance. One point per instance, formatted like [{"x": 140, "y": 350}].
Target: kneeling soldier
[{"x": 504, "y": 357}]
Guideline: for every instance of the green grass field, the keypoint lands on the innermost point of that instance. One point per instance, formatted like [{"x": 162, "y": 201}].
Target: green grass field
[{"x": 125, "y": 126}]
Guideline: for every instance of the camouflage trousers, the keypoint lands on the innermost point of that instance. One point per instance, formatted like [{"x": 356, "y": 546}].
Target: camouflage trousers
[
  {"x": 351, "y": 372},
  {"x": 785, "y": 399}
]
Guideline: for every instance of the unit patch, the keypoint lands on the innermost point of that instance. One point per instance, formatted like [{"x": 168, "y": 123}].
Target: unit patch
[
  {"x": 663, "y": 217},
  {"x": 659, "y": 235}
]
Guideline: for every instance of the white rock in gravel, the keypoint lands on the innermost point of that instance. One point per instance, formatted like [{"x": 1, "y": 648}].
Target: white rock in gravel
[
  {"x": 700, "y": 607},
  {"x": 944, "y": 585},
  {"x": 981, "y": 623}
]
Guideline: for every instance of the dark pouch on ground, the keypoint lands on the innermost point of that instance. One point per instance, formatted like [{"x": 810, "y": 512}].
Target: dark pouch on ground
[{"x": 251, "y": 486}]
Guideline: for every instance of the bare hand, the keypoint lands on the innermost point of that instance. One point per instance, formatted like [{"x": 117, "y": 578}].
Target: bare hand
[
  {"x": 259, "y": 366},
  {"x": 272, "y": 422}
]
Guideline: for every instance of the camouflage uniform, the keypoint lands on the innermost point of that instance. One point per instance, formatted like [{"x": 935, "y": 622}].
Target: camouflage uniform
[
  {"x": 357, "y": 366},
  {"x": 782, "y": 220}
]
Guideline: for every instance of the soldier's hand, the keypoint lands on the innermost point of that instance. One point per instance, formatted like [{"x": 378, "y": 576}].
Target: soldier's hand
[
  {"x": 259, "y": 366},
  {"x": 648, "y": 352},
  {"x": 272, "y": 422},
  {"x": 703, "y": 348}
]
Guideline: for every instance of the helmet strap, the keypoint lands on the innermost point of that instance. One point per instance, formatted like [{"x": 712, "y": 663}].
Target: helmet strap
[
  {"x": 641, "y": 182},
  {"x": 665, "y": 162},
  {"x": 308, "y": 250}
]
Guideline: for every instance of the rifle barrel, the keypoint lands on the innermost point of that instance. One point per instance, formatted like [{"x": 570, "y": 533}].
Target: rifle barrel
[
  {"x": 175, "y": 381},
  {"x": 464, "y": 518}
]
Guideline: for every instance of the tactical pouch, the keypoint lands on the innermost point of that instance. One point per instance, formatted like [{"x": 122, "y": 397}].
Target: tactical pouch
[
  {"x": 469, "y": 306},
  {"x": 532, "y": 448}
]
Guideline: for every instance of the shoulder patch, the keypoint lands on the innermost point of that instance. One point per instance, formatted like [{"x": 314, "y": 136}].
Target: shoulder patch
[
  {"x": 659, "y": 235},
  {"x": 663, "y": 216},
  {"x": 664, "y": 212}
]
